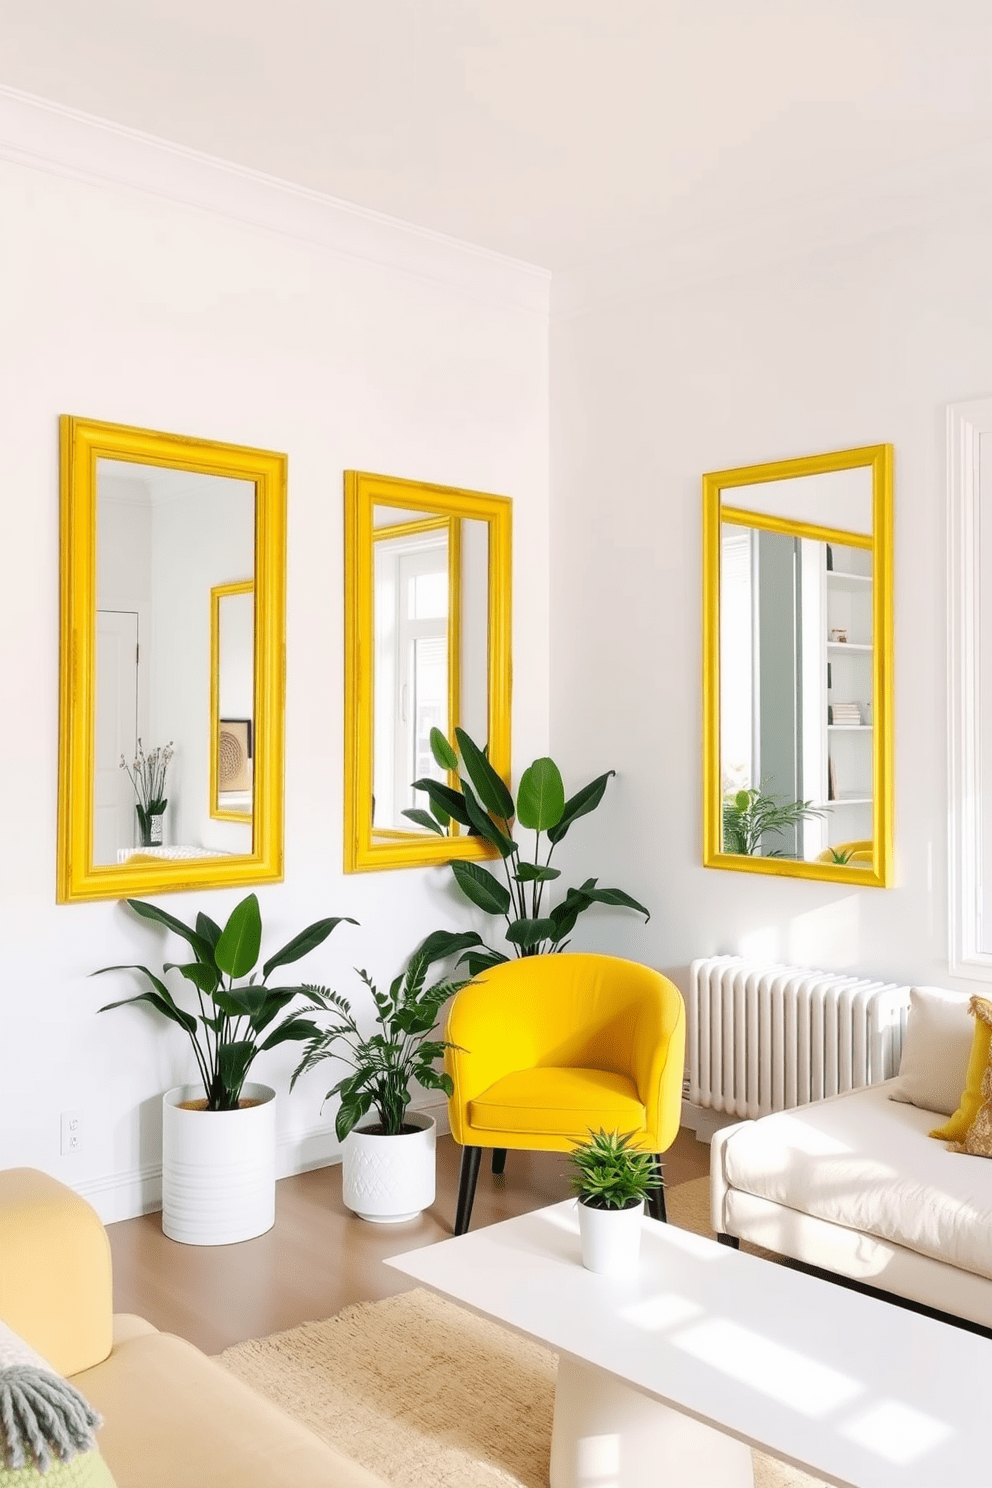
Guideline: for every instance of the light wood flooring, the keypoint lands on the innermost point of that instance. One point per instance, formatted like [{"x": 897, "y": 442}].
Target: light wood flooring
[{"x": 319, "y": 1257}]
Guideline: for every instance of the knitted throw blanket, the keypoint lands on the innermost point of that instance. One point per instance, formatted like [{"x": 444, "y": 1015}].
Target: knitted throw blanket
[{"x": 41, "y": 1415}]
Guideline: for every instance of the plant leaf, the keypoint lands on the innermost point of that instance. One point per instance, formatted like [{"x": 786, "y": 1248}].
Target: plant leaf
[
  {"x": 294, "y": 1029},
  {"x": 442, "y": 751},
  {"x": 616, "y": 897},
  {"x": 480, "y": 886},
  {"x": 528, "y": 933},
  {"x": 490, "y": 787},
  {"x": 423, "y": 819},
  {"x": 584, "y": 801},
  {"x": 443, "y": 943},
  {"x": 535, "y": 873},
  {"x": 207, "y": 928},
  {"x": 484, "y": 824},
  {"x": 202, "y": 949},
  {"x": 479, "y": 961},
  {"x": 307, "y": 940},
  {"x": 233, "y": 1062},
  {"x": 202, "y": 976},
  {"x": 163, "y": 1005},
  {"x": 451, "y": 801},
  {"x": 350, "y": 1112},
  {"x": 237, "y": 950},
  {"x": 540, "y": 796}
]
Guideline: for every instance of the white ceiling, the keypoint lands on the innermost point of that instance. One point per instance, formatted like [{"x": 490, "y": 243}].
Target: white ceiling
[{"x": 551, "y": 130}]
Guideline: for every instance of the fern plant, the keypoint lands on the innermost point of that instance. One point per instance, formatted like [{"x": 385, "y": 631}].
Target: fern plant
[
  {"x": 607, "y": 1174},
  {"x": 749, "y": 814},
  {"x": 483, "y": 803},
  {"x": 385, "y": 1063}
]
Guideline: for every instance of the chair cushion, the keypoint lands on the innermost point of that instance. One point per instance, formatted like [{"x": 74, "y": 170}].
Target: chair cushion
[{"x": 553, "y": 1101}]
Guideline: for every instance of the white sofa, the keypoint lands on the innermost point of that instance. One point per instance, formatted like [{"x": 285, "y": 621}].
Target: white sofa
[{"x": 855, "y": 1186}]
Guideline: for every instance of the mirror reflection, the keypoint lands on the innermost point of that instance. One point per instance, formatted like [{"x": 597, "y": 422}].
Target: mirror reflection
[
  {"x": 796, "y": 695},
  {"x": 166, "y": 541},
  {"x": 232, "y": 705},
  {"x": 430, "y": 662},
  {"x": 797, "y": 686},
  {"x": 427, "y": 646}
]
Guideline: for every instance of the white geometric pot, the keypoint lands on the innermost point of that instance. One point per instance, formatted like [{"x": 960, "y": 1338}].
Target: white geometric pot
[
  {"x": 389, "y": 1179},
  {"x": 611, "y": 1239},
  {"x": 218, "y": 1168}
]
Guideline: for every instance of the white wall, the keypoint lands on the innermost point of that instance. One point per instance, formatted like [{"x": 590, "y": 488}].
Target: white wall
[
  {"x": 149, "y": 286},
  {"x": 857, "y": 342}
]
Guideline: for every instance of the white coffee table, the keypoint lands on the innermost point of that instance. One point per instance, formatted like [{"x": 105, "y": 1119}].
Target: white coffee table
[{"x": 670, "y": 1376}]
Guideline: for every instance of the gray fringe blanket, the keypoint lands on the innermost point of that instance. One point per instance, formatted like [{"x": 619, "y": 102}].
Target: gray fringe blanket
[{"x": 41, "y": 1415}]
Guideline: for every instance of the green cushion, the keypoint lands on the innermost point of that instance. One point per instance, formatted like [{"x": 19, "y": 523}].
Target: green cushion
[{"x": 85, "y": 1470}]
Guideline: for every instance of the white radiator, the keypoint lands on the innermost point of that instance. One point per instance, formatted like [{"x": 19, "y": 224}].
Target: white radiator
[{"x": 765, "y": 1038}]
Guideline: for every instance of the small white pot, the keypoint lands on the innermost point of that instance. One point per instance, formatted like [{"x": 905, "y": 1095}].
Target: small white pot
[
  {"x": 218, "y": 1168},
  {"x": 611, "y": 1239},
  {"x": 389, "y": 1179}
]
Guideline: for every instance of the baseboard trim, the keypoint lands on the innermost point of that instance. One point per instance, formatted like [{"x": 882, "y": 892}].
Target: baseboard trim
[{"x": 117, "y": 1196}]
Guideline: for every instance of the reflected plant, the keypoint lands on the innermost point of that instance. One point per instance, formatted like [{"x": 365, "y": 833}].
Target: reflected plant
[
  {"x": 749, "y": 814},
  {"x": 147, "y": 774}
]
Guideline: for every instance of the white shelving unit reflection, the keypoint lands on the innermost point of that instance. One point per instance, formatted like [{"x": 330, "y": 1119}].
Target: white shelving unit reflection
[{"x": 848, "y": 655}]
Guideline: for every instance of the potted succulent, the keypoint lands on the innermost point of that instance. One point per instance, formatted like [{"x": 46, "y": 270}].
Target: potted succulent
[
  {"x": 388, "y": 1161},
  {"x": 218, "y": 1137},
  {"x": 484, "y": 805},
  {"x": 611, "y": 1183}
]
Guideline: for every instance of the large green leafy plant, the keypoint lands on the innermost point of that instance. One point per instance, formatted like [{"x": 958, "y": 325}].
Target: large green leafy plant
[
  {"x": 483, "y": 803},
  {"x": 235, "y": 1022},
  {"x": 606, "y": 1174},
  {"x": 385, "y": 1063}
]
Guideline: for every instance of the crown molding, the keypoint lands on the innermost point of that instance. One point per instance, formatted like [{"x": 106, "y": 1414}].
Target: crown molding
[
  {"x": 42, "y": 135},
  {"x": 941, "y": 188}
]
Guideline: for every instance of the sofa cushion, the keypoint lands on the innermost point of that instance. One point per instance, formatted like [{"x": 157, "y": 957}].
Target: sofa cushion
[
  {"x": 864, "y": 1161},
  {"x": 960, "y": 1123},
  {"x": 935, "y": 1051},
  {"x": 172, "y": 1416}
]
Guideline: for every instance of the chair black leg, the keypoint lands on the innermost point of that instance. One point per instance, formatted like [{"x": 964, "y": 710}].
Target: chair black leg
[
  {"x": 730, "y": 1240},
  {"x": 656, "y": 1198},
  {"x": 499, "y": 1160},
  {"x": 467, "y": 1178}
]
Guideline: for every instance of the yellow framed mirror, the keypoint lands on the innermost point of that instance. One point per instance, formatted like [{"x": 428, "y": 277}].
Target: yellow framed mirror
[
  {"x": 159, "y": 533},
  {"x": 797, "y": 667},
  {"x": 427, "y": 645}
]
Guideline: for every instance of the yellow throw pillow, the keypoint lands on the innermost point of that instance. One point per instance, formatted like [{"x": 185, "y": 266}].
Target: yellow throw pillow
[{"x": 957, "y": 1128}]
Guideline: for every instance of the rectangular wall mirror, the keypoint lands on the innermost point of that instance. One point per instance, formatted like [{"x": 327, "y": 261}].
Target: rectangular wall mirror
[
  {"x": 797, "y": 686},
  {"x": 427, "y": 626},
  {"x": 171, "y": 674}
]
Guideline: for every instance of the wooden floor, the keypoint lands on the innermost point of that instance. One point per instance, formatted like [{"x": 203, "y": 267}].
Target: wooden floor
[{"x": 319, "y": 1257}]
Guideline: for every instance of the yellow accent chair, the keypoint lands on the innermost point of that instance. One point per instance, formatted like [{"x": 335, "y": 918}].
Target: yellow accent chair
[{"x": 548, "y": 1048}]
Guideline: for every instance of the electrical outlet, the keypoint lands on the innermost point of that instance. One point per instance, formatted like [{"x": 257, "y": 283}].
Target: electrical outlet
[{"x": 72, "y": 1131}]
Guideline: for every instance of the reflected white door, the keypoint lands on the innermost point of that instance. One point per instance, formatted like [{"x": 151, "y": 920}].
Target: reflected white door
[{"x": 116, "y": 731}]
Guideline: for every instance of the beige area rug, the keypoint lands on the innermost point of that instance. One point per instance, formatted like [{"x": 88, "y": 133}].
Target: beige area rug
[{"x": 428, "y": 1395}]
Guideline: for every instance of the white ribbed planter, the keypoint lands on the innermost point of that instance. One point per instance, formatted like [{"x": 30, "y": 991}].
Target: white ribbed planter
[
  {"x": 390, "y": 1179},
  {"x": 611, "y": 1239},
  {"x": 218, "y": 1168}
]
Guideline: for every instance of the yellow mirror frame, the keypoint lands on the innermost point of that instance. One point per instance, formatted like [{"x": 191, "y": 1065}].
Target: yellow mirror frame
[
  {"x": 83, "y": 443},
  {"x": 363, "y": 848},
  {"x": 879, "y": 459}
]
